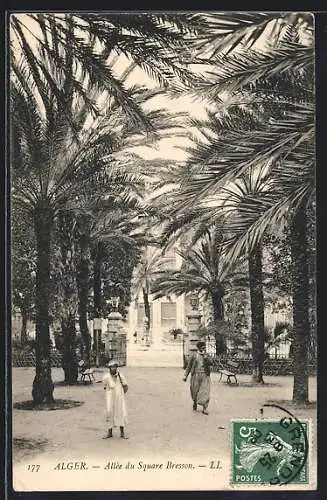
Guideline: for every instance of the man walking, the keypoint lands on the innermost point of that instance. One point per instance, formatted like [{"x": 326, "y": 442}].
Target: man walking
[{"x": 199, "y": 367}]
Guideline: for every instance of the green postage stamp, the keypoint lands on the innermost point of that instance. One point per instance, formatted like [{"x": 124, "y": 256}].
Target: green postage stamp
[{"x": 270, "y": 452}]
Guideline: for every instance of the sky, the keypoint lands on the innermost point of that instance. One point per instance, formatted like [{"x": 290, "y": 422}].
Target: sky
[{"x": 169, "y": 148}]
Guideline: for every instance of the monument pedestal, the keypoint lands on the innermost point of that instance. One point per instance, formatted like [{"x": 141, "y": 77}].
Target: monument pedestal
[
  {"x": 191, "y": 337},
  {"x": 115, "y": 336}
]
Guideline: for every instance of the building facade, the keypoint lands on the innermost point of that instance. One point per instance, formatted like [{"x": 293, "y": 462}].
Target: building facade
[{"x": 166, "y": 313}]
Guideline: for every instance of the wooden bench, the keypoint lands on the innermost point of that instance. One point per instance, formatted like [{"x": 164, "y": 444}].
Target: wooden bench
[
  {"x": 230, "y": 370},
  {"x": 86, "y": 372}
]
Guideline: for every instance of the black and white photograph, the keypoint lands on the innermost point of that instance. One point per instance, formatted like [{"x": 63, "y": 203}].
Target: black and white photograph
[{"x": 163, "y": 250}]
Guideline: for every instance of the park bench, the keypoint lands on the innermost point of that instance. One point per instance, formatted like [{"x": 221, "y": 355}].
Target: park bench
[
  {"x": 230, "y": 370},
  {"x": 86, "y": 372}
]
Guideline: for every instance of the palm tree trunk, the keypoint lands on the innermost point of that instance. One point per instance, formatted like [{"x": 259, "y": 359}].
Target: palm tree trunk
[
  {"x": 83, "y": 293},
  {"x": 218, "y": 315},
  {"x": 43, "y": 387},
  {"x": 97, "y": 268},
  {"x": 23, "y": 331},
  {"x": 146, "y": 306},
  {"x": 70, "y": 300},
  {"x": 257, "y": 313},
  {"x": 69, "y": 359},
  {"x": 97, "y": 281},
  {"x": 300, "y": 288}
]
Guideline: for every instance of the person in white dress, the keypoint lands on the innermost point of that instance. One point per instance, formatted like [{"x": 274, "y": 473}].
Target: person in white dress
[{"x": 115, "y": 386}]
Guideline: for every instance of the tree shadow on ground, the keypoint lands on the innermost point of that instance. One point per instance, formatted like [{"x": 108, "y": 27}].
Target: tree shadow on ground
[
  {"x": 57, "y": 404},
  {"x": 253, "y": 385},
  {"x": 27, "y": 447},
  {"x": 287, "y": 403},
  {"x": 28, "y": 444},
  {"x": 62, "y": 383}
]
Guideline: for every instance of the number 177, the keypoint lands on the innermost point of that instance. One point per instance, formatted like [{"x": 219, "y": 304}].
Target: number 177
[{"x": 33, "y": 468}]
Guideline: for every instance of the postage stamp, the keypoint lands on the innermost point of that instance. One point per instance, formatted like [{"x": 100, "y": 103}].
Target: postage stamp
[{"x": 270, "y": 451}]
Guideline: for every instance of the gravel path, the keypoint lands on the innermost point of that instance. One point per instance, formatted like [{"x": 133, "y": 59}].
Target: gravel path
[{"x": 161, "y": 420}]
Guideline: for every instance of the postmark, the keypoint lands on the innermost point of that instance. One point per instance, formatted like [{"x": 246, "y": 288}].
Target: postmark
[{"x": 270, "y": 451}]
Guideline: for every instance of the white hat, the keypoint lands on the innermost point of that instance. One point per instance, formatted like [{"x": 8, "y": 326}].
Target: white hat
[{"x": 113, "y": 362}]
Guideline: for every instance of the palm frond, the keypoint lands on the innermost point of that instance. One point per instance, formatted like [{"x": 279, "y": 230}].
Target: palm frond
[
  {"x": 227, "y": 31},
  {"x": 246, "y": 68}
]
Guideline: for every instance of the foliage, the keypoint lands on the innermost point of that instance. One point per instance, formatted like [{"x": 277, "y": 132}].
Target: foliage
[
  {"x": 259, "y": 130},
  {"x": 175, "y": 332},
  {"x": 155, "y": 42},
  {"x": 218, "y": 331},
  {"x": 280, "y": 327},
  {"x": 23, "y": 259},
  {"x": 278, "y": 261},
  {"x": 119, "y": 263},
  {"x": 203, "y": 269},
  {"x": 237, "y": 310}
]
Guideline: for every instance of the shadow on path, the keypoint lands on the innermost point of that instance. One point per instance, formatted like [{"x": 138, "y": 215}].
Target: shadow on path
[{"x": 57, "y": 404}]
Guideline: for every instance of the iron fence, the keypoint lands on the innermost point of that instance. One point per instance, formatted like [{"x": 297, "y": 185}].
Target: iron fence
[
  {"x": 117, "y": 350},
  {"x": 282, "y": 350}
]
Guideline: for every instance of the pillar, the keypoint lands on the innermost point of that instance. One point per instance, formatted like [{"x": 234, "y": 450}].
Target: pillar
[
  {"x": 113, "y": 335},
  {"x": 156, "y": 322},
  {"x": 191, "y": 336}
]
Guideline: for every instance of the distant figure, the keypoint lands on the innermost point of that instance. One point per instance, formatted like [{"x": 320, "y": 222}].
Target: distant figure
[
  {"x": 115, "y": 386},
  {"x": 135, "y": 337},
  {"x": 146, "y": 331},
  {"x": 199, "y": 367}
]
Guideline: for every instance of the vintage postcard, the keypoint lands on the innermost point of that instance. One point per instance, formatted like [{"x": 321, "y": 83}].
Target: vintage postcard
[{"x": 163, "y": 250}]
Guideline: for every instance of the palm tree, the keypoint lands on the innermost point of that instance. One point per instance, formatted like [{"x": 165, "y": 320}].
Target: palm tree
[
  {"x": 204, "y": 269},
  {"x": 51, "y": 166},
  {"x": 278, "y": 84},
  {"x": 59, "y": 147},
  {"x": 228, "y": 31},
  {"x": 149, "y": 267},
  {"x": 66, "y": 223},
  {"x": 244, "y": 196},
  {"x": 95, "y": 234}
]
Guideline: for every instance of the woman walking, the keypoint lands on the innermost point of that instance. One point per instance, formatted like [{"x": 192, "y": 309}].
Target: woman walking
[
  {"x": 199, "y": 367},
  {"x": 115, "y": 386}
]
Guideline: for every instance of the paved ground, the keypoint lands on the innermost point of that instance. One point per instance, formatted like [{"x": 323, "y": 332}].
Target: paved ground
[{"x": 161, "y": 420}]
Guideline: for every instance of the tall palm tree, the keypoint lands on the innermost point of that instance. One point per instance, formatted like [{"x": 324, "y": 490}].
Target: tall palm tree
[
  {"x": 204, "y": 269},
  {"x": 66, "y": 223},
  {"x": 245, "y": 195},
  {"x": 278, "y": 83},
  {"x": 95, "y": 235},
  {"x": 62, "y": 142},
  {"x": 149, "y": 267},
  {"x": 49, "y": 168}
]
